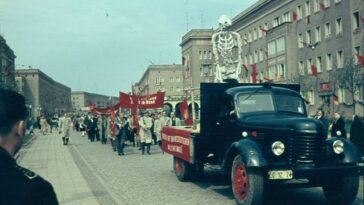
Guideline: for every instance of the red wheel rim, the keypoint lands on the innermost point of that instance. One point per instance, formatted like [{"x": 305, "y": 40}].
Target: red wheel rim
[
  {"x": 178, "y": 166},
  {"x": 241, "y": 183}
]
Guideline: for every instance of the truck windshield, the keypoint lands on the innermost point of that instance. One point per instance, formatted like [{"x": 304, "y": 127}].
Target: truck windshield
[
  {"x": 288, "y": 103},
  {"x": 255, "y": 103}
]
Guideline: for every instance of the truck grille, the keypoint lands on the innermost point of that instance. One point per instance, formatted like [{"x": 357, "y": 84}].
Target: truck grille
[{"x": 305, "y": 149}]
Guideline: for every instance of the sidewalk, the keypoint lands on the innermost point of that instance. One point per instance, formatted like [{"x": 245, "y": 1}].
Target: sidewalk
[{"x": 48, "y": 157}]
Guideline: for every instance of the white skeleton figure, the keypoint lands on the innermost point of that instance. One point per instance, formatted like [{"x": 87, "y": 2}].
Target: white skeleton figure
[{"x": 223, "y": 43}]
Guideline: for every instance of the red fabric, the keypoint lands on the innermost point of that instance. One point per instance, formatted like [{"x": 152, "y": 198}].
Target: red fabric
[
  {"x": 263, "y": 29},
  {"x": 314, "y": 70},
  {"x": 322, "y": 7},
  {"x": 360, "y": 59},
  {"x": 362, "y": 19},
  {"x": 254, "y": 73},
  {"x": 294, "y": 16},
  {"x": 142, "y": 102},
  {"x": 177, "y": 142},
  {"x": 183, "y": 108}
]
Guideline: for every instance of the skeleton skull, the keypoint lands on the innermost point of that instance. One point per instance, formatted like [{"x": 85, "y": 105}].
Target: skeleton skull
[{"x": 224, "y": 21}]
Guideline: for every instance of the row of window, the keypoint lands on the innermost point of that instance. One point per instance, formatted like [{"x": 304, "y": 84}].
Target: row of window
[
  {"x": 329, "y": 62},
  {"x": 205, "y": 55},
  {"x": 160, "y": 80},
  {"x": 274, "y": 72},
  {"x": 172, "y": 89}
]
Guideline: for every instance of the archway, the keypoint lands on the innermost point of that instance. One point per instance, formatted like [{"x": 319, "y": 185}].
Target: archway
[
  {"x": 177, "y": 110},
  {"x": 197, "y": 109}
]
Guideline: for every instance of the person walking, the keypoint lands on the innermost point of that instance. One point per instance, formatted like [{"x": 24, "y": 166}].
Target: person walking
[
  {"x": 145, "y": 132},
  {"x": 320, "y": 116},
  {"x": 338, "y": 126},
  {"x": 121, "y": 126},
  {"x": 18, "y": 185},
  {"x": 159, "y": 123},
  {"x": 64, "y": 127},
  {"x": 43, "y": 124},
  {"x": 357, "y": 133},
  {"x": 103, "y": 129}
]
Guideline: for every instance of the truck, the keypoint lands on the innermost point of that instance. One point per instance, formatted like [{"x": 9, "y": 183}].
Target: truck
[{"x": 260, "y": 136}]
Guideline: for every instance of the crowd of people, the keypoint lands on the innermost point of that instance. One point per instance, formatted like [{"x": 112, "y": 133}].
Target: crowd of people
[
  {"x": 101, "y": 127},
  {"x": 337, "y": 128}
]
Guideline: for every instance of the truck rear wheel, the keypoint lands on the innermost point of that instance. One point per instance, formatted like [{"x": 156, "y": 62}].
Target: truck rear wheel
[
  {"x": 341, "y": 190},
  {"x": 247, "y": 185},
  {"x": 182, "y": 169}
]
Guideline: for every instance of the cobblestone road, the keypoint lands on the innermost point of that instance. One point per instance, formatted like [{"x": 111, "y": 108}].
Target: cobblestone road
[{"x": 149, "y": 179}]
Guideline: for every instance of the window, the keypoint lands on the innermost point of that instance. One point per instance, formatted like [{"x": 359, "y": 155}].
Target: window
[
  {"x": 311, "y": 97},
  {"x": 308, "y": 37},
  {"x": 250, "y": 59},
  {"x": 318, "y": 34},
  {"x": 299, "y": 12},
  {"x": 245, "y": 40},
  {"x": 246, "y": 60},
  {"x": 359, "y": 92},
  {"x": 200, "y": 54},
  {"x": 178, "y": 89},
  {"x": 327, "y": 30},
  {"x": 271, "y": 48},
  {"x": 319, "y": 64},
  {"x": 210, "y": 55},
  {"x": 256, "y": 57},
  {"x": 265, "y": 28},
  {"x": 281, "y": 44},
  {"x": 308, "y": 64},
  {"x": 287, "y": 17},
  {"x": 276, "y": 22},
  {"x": 301, "y": 68},
  {"x": 356, "y": 21},
  {"x": 341, "y": 95},
  {"x": 261, "y": 55},
  {"x": 339, "y": 26},
  {"x": 260, "y": 33},
  {"x": 272, "y": 72},
  {"x": 327, "y": 3},
  {"x": 255, "y": 34},
  {"x": 307, "y": 8},
  {"x": 316, "y": 5},
  {"x": 178, "y": 79},
  {"x": 340, "y": 59},
  {"x": 356, "y": 53},
  {"x": 250, "y": 39},
  {"x": 205, "y": 55},
  {"x": 172, "y": 88},
  {"x": 337, "y": 1},
  {"x": 300, "y": 40},
  {"x": 172, "y": 80},
  {"x": 282, "y": 71},
  {"x": 328, "y": 61}
]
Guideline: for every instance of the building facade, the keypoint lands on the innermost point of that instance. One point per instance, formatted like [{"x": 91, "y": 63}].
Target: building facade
[
  {"x": 7, "y": 65},
  {"x": 314, "y": 43},
  {"x": 43, "y": 94},
  {"x": 81, "y": 100},
  {"x": 163, "y": 78}
]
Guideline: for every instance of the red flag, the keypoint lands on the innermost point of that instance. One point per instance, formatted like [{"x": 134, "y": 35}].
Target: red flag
[
  {"x": 360, "y": 59},
  {"x": 254, "y": 72},
  {"x": 336, "y": 99},
  {"x": 183, "y": 108},
  {"x": 263, "y": 29},
  {"x": 294, "y": 16},
  {"x": 314, "y": 70},
  {"x": 362, "y": 19},
  {"x": 322, "y": 7}
]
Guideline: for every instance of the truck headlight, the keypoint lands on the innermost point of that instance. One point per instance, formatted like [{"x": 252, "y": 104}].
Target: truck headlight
[
  {"x": 338, "y": 146},
  {"x": 278, "y": 148},
  {"x": 244, "y": 134},
  {"x": 338, "y": 133}
]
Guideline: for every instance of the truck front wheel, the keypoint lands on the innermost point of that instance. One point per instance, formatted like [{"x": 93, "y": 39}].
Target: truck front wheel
[
  {"x": 341, "y": 190},
  {"x": 182, "y": 169},
  {"x": 247, "y": 184}
]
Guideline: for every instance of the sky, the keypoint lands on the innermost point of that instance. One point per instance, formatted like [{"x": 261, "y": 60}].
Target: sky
[{"x": 103, "y": 46}]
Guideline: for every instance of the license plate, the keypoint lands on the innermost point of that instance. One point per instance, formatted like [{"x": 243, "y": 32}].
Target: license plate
[{"x": 280, "y": 174}]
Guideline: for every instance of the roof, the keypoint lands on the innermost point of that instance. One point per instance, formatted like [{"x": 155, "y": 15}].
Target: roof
[{"x": 287, "y": 89}]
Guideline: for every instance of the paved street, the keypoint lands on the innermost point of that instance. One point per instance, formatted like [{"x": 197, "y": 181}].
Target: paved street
[{"x": 91, "y": 173}]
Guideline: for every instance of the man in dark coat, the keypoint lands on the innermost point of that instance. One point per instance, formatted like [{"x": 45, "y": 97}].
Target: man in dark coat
[
  {"x": 338, "y": 126},
  {"x": 357, "y": 133},
  {"x": 18, "y": 185}
]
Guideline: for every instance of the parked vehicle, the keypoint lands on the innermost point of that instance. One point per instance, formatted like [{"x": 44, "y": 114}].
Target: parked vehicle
[{"x": 259, "y": 135}]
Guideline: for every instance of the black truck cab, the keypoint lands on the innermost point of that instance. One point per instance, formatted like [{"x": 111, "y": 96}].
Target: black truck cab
[{"x": 259, "y": 134}]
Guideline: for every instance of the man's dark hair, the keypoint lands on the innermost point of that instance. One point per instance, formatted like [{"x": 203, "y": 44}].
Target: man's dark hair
[{"x": 12, "y": 110}]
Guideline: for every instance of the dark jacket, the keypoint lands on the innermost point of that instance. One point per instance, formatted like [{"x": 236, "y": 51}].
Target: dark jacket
[
  {"x": 22, "y": 186},
  {"x": 357, "y": 134},
  {"x": 338, "y": 125}
]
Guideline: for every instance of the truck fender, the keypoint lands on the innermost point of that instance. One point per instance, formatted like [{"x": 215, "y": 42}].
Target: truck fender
[
  {"x": 351, "y": 153},
  {"x": 249, "y": 150}
]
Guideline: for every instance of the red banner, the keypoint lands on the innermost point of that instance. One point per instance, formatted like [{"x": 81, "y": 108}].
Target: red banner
[
  {"x": 177, "y": 142},
  {"x": 142, "y": 102}
]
